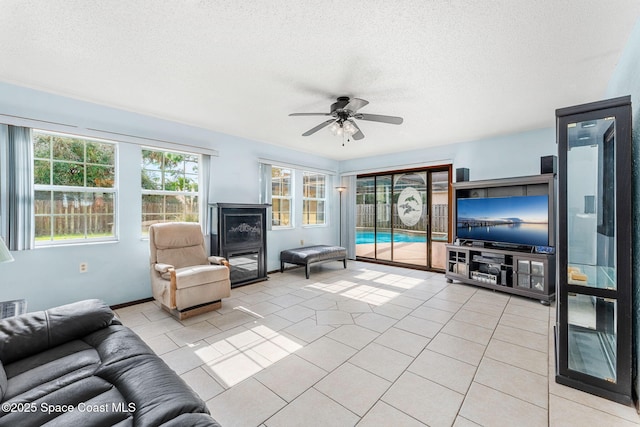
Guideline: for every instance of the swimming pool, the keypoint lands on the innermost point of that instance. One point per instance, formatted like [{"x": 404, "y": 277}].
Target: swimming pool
[{"x": 368, "y": 236}]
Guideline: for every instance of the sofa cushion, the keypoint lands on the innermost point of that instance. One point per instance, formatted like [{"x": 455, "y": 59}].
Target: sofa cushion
[
  {"x": 31, "y": 333},
  {"x": 182, "y": 257},
  {"x": 198, "y": 275}
]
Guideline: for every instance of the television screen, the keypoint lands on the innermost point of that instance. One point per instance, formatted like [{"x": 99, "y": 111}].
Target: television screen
[{"x": 521, "y": 220}]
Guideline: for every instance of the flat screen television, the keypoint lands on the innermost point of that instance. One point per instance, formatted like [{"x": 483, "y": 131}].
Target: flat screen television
[{"x": 515, "y": 220}]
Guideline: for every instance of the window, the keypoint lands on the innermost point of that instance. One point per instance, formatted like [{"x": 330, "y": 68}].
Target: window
[
  {"x": 281, "y": 196},
  {"x": 75, "y": 188},
  {"x": 169, "y": 187},
  {"x": 313, "y": 198}
]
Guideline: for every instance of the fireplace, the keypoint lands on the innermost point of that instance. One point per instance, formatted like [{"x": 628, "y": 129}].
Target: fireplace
[{"x": 239, "y": 233}]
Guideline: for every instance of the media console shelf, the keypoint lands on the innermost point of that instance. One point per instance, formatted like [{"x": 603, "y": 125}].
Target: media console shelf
[
  {"x": 504, "y": 242},
  {"x": 526, "y": 274}
]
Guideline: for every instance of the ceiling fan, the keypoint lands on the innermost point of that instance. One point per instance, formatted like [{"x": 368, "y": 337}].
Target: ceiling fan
[{"x": 343, "y": 114}]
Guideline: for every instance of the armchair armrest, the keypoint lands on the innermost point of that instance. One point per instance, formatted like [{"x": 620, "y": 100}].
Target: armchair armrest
[
  {"x": 218, "y": 260},
  {"x": 162, "y": 268}
]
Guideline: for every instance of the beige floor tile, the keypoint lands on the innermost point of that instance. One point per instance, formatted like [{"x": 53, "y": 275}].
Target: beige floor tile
[
  {"x": 320, "y": 303},
  {"x": 290, "y": 377},
  {"x": 193, "y": 333},
  {"x": 231, "y": 369},
  {"x": 287, "y": 300},
  {"x": 161, "y": 344},
  {"x": 158, "y": 327},
  {"x": 449, "y": 294},
  {"x": 326, "y": 353},
  {"x": 567, "y": 413},
  {"x": 517, "y": 382},
  {"x": 444, "y": 370},
  {"x": 263, "y": 309},
  {"x": 479, "y": 319},
  {"x": 312, "y": 409},
  {"x": 268, "y": 326},
  {"x": 535, "y": 310},
  {"x": 391, "y": 310},
  {"x": 532, "y": 325},
  {"x": 375, "y": 322},
  {"x": 499, "y": 348},
  {"x": 435, "y": 406},
  {"x": 231, "y": 320},
  {"x": 483, "y": 307},
  {"x": 443, "y": 304},
  {"x": 489, "y": 407},
  {"x": 184, "y": 359},
  {"x": 403, "y": 341},
  {"x": 433, "y": 314},
  {"x": 383, "y": 414},
  {"x": 307, "y": 330},
  {"x": 353, "y": 335},
  {"x": 522, "y": 357},
  {"x": 202, "y": 383},
  {"x": 353, "y": 387},
  {"x": 405, "y": 301},
  {"x": 248, "y": 404},
  {"x": 522, "y": 338},
  {"x": 382, "y": 361},
  {"x": 468, "y": 331},
  {"x": 295, "y": 313},
  {"x": 333, "y": 317},
  {"x": 628, "y": 413},
  {"x": 426, "y": 328},
  {"x": 463, "y": 422},
  {"x": 458, "y": 348}
]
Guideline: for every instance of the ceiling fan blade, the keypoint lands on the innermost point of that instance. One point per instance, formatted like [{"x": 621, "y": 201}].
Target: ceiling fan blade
[
  {"x": 379, "y": 118},
  {"x": 317, "y": 128},
  {"x": 358, "y": 135},
  {"x": 310, "y": 114},
  {"x": 355, "y": 104}
]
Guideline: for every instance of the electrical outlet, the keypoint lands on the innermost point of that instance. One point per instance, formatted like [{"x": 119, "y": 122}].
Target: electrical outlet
[
  {"x": 84, "y": 267},
  {"x": 301, "y": 242}
]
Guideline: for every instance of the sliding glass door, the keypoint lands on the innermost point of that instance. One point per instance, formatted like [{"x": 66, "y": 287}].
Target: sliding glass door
[{"x": 403, "y": 217}]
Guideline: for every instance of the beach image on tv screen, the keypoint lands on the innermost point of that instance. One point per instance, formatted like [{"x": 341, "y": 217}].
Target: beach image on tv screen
[{"x": 522, "y": 220}]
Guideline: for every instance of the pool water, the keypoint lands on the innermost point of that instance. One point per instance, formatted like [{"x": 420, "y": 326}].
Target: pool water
[{"x": 363, "y": 237}]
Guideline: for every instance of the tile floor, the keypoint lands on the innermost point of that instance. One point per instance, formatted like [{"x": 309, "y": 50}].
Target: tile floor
[{"x": 372, "y": 345}]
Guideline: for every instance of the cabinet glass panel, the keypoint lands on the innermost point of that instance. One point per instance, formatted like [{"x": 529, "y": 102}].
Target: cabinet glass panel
[
  {"x": 591, "y": 249},
  {"x": 592, "y": 336}
]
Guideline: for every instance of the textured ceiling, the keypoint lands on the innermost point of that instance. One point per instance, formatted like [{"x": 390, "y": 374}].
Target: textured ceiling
[{"x": 455, "y": 70}]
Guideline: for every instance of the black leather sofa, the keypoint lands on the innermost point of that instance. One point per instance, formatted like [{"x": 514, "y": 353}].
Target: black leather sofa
[{"x": 77, "y": 365}]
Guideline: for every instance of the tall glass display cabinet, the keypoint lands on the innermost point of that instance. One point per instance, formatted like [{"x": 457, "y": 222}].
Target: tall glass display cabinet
[{"x": 594, "y": 295}]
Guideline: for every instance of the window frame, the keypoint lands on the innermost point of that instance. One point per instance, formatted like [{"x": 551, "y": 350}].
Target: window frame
[
  {"x": 173, "y": 193},
  {"x": 290, "y": 198},
  {"x": 306, "y": 198},
  {"x": 53, "y": 188}
]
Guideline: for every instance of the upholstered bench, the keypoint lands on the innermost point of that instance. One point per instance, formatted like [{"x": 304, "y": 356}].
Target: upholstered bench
[{"x": 311, "y": 254}]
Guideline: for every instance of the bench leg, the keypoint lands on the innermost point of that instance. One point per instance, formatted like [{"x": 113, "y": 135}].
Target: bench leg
[
  {"x": 306, "y": 270},
  {"x": 344, "y": 262},
  {"x": 281, "y": 267}
]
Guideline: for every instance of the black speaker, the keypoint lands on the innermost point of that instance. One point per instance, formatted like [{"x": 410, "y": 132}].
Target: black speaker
[
  {"x": 548, "y": 164},
  {"x": 462, "y": 174}
]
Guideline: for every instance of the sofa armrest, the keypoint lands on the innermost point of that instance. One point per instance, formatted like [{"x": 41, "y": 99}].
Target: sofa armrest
[{"x": 32, "y": 333}]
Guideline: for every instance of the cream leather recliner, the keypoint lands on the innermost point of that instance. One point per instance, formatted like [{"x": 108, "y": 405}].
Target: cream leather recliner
[{"x": 184, "y": 280}]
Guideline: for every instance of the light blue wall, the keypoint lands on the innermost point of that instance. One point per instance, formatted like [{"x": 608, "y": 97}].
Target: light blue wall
[
  {"x": 492, "y": 158},
  {"x": 118, "y": 272},
  {"x": 624, "y": 82}
]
